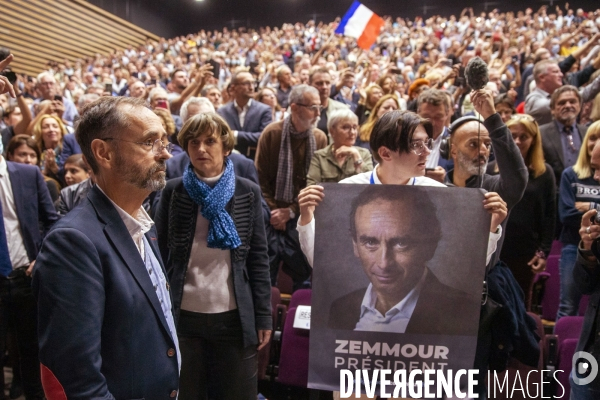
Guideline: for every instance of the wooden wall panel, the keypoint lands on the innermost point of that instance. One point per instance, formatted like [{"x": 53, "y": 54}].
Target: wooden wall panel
[{"x": 38, "y": 31}]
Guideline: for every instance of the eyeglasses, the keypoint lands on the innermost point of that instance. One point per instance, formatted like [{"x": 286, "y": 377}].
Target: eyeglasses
[
  {"x": 314, "y": 108},
  {"x": 418, "y": 146},
  {"x": 157, "y": 146}
]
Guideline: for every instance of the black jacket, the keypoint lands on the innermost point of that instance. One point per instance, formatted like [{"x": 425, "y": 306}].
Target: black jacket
[
  {"x": 72, "y": 196},
  {"x": 511, "y": 182},
  {"x": 176, "y": 223},
  {"x": 587, "y": 278}
]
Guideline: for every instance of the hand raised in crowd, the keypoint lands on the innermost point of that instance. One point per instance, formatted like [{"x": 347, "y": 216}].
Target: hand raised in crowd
[
  {"x": 483, "y": 102},
  {"x": 203, "y": 74},
  {"x": 308, "y": 199},
  {"x": 50, "y": 161},
  {"x": 279, "y": 218},
  {"x": 494, "y": 204},
  {"x": 588, "y": 230},
  {"x": 5, "y": 85}
]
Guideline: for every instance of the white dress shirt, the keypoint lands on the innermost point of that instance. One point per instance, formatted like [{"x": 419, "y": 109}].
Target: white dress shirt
[
  {"x": 434, "y": 158},
  {"x": 242, "y": 111},
  {"x": 395, "y": 319},
  {"x": 14, "y": 239}
]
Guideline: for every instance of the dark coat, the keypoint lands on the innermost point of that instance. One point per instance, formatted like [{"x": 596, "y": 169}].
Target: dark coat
[
  {"x": 72, "y": 195},
  {"x": 70, "y": 147},
  {"x": 102, "y": 331},
  {"x": 553, "y": 150},
  {"x": 440, "y": 310},
  {"x": 176, "y": 223},
  {"x": 257, "y": 118},
  {"x": 587, "y": 278},
  {"x": 33, "y": 203}
]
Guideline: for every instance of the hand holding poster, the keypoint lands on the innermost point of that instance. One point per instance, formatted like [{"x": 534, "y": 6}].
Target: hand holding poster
[{"x": 397, "y": 281}]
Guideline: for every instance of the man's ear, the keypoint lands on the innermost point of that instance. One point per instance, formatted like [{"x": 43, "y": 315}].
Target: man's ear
[
  {"x": 355, "y": 247},
  {"x": 384, "y": 153},
  {"x": 453, "y": 150},
  {"x": 103, "y": 153}
]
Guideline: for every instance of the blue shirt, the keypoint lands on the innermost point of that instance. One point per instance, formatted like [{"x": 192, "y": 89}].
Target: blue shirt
[{"x": 161, "y": 286}]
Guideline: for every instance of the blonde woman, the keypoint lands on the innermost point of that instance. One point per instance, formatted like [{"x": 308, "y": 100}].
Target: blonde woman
[
  {"x": 530, "y": 226},
  {"x": 48, "y": 133},
  {"x": 576, "y": 196},
  {"x": 389, "y": 102}
]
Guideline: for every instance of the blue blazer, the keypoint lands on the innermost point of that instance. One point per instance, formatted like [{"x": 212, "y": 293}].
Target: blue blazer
[
  {"x": 257, "y": 118},
  {"x": 33, "y": 203},
  {"x": 242, "y": 166},
  {"x": 70, "y": 147},
  {"x": 102, "y": 331}
]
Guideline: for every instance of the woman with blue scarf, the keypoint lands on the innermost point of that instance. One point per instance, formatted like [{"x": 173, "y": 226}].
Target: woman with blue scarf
[{"x": 212, "y": 239}]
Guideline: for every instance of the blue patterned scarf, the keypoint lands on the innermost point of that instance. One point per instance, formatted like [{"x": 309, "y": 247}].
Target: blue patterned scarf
[{"x": 222, "y": 233}]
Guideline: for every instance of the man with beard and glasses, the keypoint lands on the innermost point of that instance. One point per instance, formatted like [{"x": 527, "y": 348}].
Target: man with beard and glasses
[
  {"x": 469, "y": 147},
  {"x": 285, "y": 149},
  {"x": 106, "y": 327}
]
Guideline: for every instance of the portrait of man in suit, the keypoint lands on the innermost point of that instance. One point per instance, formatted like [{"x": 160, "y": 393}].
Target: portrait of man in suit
[{"x": 393, "y": 238}]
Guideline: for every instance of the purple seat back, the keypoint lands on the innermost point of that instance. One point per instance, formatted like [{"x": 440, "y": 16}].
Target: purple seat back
[
  {"x": 265, "y": 353},
  {"x": 583, "y": 304},
  {"x": 556, "y": 248},
  {"x": 284, "y": 282},
  {"x": 565, "y": 361},
  {"x": 568, "y": 328},
  {"x": 293, "y": 364},
  {"x": 552, "y": 289},
  {"x": 275, "y": 298},
  {"x": 301, "y": 297}
]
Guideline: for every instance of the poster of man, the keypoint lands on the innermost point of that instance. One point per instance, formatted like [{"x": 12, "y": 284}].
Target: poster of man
[{"x": 397, "y": 279}]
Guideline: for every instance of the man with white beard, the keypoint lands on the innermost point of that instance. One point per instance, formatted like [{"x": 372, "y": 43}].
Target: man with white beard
[
  {"x": 285, "y": 149},
  {"x": 469, "y": 147}
]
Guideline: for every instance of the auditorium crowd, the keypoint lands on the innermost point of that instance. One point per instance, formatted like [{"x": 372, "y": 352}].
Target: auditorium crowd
[{"x": 254, "y": 121}]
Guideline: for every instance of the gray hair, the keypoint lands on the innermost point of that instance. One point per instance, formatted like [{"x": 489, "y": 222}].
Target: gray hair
[
  {"x": 206, "y": 88},
  {"x": 87, "y": 98},
  {"x": 297, "y": 94},
  {"x": 155, "y": 91},
  {"x": 199, "y": 101},
  {"x": 340, "y": 115},
  {"x": 541, "y": 68},
  {"x": 46, "y": 74}
]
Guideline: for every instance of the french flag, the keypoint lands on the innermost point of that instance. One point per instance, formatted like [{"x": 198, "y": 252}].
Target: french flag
[{"x": 362, "y": 24}]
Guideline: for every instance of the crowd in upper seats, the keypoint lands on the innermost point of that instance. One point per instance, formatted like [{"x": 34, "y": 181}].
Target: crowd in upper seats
[{"x": 273, "y": 85}]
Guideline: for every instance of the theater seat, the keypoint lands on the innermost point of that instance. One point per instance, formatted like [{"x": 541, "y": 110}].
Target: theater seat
[
  {"x": 264, "y": 355},
  {"x": 293, "y": 364},
  {"x": 565, "y": 363},
  {"x": 552, "y": 289},
  {"x": 301, "y": 297}
]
